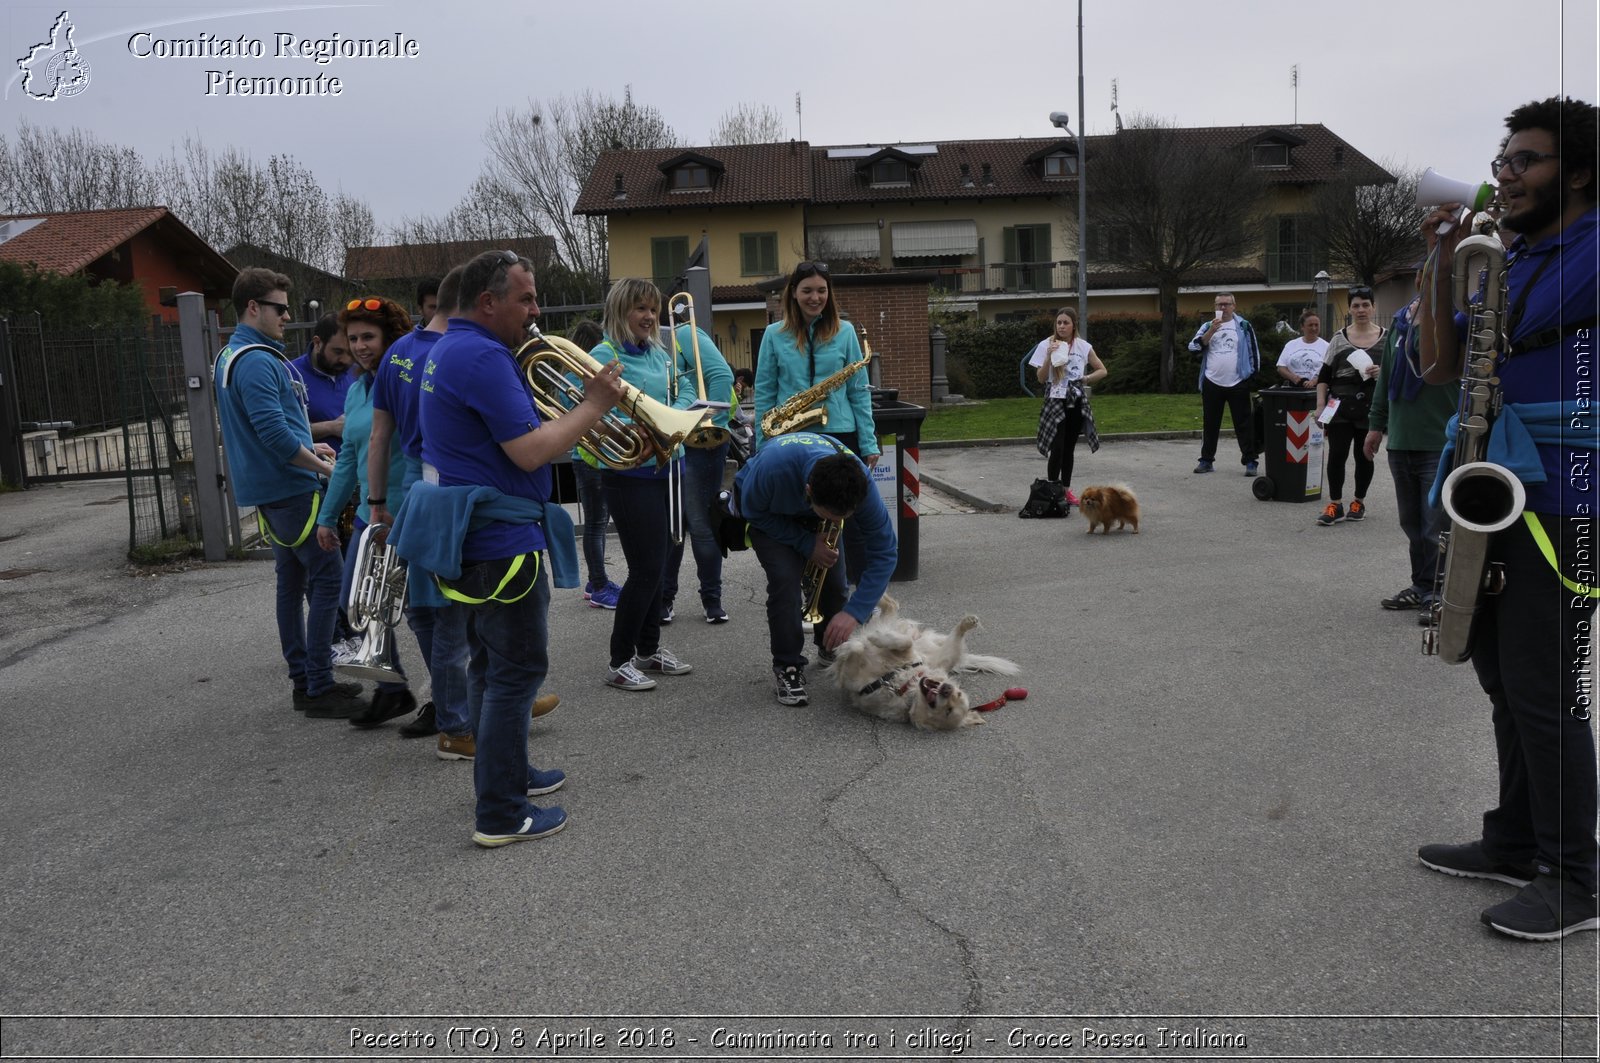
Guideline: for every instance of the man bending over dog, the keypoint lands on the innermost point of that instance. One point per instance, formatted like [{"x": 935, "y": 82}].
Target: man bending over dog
[{"x": 792, "y": 485}]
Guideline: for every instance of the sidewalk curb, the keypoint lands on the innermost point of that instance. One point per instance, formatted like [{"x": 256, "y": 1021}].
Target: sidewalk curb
[
  {"x": 984, "y": 505},
  {"x": 944, "y": 487}
]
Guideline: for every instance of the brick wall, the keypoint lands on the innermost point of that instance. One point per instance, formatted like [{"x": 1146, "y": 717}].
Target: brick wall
[{"x": 894, "y": 320}]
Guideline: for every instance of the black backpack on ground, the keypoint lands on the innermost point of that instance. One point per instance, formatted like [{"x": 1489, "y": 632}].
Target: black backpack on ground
[{"x": 1045, "y": 499}]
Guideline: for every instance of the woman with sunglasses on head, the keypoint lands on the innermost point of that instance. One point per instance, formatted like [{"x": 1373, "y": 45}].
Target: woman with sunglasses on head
[
  {"x": 1068, "y": 365},
  {"x": 369, "y": 326},
  {"x": 1352, "y": 384},
  {"x": 637, "y": 498},
  {"x": 809, "y": 345}
]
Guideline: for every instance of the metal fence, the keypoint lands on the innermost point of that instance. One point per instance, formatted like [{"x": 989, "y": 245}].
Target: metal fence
[{"x": 103, "y": 404}]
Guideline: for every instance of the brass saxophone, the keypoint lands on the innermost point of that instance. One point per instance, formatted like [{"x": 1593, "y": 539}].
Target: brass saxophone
[
  {"x": 804, "y": 409},
  {"x": 812, "y": 579},
  {"x": 1479, "y": 496}
]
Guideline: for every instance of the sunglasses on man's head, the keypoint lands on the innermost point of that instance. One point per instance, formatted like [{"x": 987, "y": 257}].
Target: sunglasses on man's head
[
  {"x": 281, "y": 308},
  {"x": 369, "y": 303}
]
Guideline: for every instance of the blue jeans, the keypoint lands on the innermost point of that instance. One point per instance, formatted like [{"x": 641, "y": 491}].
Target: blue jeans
[
  {"x": 306, "y": 573},
  {"x": 639, "y": 507},
  {"x": 592, "y": 499},
  {"x": 442, "y": 637},
  {"x": 509, "y": 645},
  {"x": 785, "y": 566},
  {"x": 702, "y": 480},
  {"x": 1413, "y": 472}
]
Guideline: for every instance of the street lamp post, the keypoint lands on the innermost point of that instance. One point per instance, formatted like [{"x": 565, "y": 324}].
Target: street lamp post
[
  {"x": 1062, "y": 120},
  {"x": 1320, "y": 284}
]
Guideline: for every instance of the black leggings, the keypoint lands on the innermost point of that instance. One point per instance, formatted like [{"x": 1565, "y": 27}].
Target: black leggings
[
  {"x": 1343, "y": 437},
  {"x": 1058, "y": 468}
]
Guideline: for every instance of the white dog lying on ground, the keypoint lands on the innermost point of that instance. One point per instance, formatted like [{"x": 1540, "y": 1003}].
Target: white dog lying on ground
[{"x": 896, "y": 669}]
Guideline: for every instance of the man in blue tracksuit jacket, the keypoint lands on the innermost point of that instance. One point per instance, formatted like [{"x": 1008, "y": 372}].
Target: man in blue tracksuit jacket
[
  {"x": 1229, "y": 357},
  {"x": 794, "y": 483},
  {"x": 275, "y": 466}
]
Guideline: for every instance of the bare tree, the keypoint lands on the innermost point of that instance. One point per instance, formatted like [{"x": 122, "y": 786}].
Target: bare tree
[
  {"x": 51, "y": 170},
  {"x": 1368, "y": 230},
  {"x": 1174, "y": 206},
  {"x": 540, "y": 157},
  {"x": 750, "y": 123}
]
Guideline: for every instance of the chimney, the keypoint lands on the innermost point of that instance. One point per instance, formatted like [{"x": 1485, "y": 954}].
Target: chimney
[{"x": 617, "y": 192}]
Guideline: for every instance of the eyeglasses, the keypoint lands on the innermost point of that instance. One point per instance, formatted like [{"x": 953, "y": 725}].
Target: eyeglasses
[
  {"x": 1361, "y": 291},
  {"x": 1518, "y": 162},
  {"x": 369, "y": 303},
  {"x": 812, "y": 267},
  {"x": 282, "y": 308}
]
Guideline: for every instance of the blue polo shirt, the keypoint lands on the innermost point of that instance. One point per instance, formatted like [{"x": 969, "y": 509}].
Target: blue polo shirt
[
  {"x": 324, "y": 394},
  {"x": 1561, "y": 302},
  {"x": 472, "y": 400},
  {"x": 395, "y": 390}
]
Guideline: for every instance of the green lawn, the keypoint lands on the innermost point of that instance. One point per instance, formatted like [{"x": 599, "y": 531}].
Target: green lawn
[{"x": 1011, "y": 418}]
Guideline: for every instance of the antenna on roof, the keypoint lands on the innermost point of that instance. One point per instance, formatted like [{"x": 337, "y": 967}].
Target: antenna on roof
[
  {"x": 1114, "y": 104},
  {"x": 799, "y": 122},
  {"x": 1294, "y": 83}
]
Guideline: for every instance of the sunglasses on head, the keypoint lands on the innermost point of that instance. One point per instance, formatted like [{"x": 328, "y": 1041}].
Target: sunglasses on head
[
  {"x": 369, "y": 303},
  {"x": 281, "y": 308},
  {"x": 1361, "y": 292},
  {"x": 812, "y": 267}
]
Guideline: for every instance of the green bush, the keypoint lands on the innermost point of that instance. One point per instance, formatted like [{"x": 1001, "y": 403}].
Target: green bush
[{"x": 74, "y": 301}]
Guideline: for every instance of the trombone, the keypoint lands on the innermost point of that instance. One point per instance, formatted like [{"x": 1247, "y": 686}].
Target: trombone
[{"x": 708, "y": 435}]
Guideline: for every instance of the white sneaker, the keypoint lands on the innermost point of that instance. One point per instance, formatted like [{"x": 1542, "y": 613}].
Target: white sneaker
[
  {"x": 664, "y": 663},
  {"x": 346, "y": 651},
  {"x": 627, "y": 677}
]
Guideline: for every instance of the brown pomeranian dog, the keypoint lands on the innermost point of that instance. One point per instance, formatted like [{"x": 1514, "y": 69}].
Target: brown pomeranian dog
[{"x": 1102, "y": 505}]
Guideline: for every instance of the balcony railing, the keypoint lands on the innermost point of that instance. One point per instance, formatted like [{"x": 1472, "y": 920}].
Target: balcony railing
[{"x": 1002, "y": 278}]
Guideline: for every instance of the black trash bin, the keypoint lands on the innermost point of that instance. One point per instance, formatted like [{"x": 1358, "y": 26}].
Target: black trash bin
[
  {"x": 904, "y": 421},
  {"x": 1291, "y": 446}
]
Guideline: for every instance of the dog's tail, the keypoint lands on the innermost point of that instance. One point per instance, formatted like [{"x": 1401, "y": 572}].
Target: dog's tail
[{"x": 983, "y": 662}]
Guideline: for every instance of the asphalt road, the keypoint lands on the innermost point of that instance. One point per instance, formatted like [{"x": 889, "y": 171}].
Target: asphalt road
[{"x": 1203, "y": 820}]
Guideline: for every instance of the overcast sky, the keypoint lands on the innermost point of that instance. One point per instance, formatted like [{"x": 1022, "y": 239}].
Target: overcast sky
[{"x": 1414, "y": 82}]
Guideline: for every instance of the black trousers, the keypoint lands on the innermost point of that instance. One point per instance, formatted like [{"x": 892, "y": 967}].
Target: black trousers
[
  {"x": 1237, "y": 399},
  {"x": 784, "y": 567},
  {"x": 1058, "y": 467},
  {"x": 1531, "y": 651},
  {"x": 639, "y": 509},
  {"x": 1343, "y": 438}
]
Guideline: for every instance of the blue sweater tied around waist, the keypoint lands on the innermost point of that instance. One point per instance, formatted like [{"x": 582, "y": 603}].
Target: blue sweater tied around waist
[{"x": 433, "y": 520}]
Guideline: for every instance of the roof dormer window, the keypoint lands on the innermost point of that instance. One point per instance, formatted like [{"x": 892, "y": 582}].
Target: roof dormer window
[
  {"x": 1270, "y": 155},
  {"x": 1059, "y": 166},
  {"x": 890, "y": 173},
  {"x": 691, "y": 177}
]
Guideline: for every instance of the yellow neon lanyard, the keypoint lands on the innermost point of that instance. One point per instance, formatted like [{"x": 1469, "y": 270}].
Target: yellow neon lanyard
[
  {"x": 1547, "y": 548},
  {"x": 305, "y": 533},
  {"x": 494, "y": 595}
]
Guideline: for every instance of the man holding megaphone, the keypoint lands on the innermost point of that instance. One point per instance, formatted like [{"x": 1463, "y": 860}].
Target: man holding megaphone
[{"x": 1532, "y": 643}]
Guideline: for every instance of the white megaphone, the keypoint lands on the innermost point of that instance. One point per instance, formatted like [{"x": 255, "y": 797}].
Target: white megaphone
[{"x": 1434, "y": 189}]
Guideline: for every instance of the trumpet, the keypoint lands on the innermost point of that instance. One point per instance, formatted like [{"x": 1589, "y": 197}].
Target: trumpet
[
  {"x": 376, "y": 604},
  {"x": 709, "y": 435},
  {"x": 657, "y": 428},
  {"x": 814, "y": 576}
]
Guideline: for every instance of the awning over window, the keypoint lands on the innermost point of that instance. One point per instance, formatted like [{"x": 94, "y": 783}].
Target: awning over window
[
  {"x": 858, "y": 240},
  {"x": 913, "y": 239}
]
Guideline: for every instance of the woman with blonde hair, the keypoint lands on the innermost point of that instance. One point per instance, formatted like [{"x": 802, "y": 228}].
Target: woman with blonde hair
[{"x": 637, "y": 498}]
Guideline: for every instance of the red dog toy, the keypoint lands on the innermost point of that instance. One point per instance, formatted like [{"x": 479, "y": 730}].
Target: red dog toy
[{"x": 1011, "y": 694}]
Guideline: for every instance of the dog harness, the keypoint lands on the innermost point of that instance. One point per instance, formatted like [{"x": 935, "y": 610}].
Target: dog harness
[{"x": 888, "y": 677}]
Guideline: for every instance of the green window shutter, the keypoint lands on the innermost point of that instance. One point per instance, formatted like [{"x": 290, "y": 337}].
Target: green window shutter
[
  {"x": 1008, "y": 253},
  {"x": 1274, "y": 270}
]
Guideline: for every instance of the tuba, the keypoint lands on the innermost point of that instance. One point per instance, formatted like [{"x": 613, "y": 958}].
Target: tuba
[
  {"x": 657, "y": 428},
  {"x": 805, "y": 409},
  {"x": 1479, "y": 496},
  {"x": 376, "y": 604},
  {"x": 708, "y": 435}
]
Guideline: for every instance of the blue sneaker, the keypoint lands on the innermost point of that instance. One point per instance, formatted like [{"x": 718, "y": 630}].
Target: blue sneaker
[
  {"x": 1251, "y": 468},
  {"x": 1206, "y": 465},
  {"x": 545, "y": 782},
  {"x": 588, "y": 590},
  {"x": 605, "y": 597},
  {"x": 539, "y": 823}
]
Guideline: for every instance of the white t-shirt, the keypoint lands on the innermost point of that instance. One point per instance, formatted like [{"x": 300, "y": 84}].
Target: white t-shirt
[
  {"x": 1075, "y": 358},
  {"x": 1303, "y": 359},
  {"x": 1222, "y": 355}
]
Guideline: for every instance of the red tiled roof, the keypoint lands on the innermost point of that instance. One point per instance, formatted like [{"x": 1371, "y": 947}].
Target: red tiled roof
[
  {"x": 777, "y": 173},
  {"x": 406, "y": 261},
  {"x": 67, "y": 242},
  {"x": 753, "y": 173}
]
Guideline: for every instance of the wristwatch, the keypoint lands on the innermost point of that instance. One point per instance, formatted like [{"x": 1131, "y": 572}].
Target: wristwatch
[{"x": 376, "y": 501}]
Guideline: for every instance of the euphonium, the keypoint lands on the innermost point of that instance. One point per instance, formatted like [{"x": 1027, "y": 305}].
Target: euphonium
[
  {"x": 1479, "y": 496},
  {"x": 376, "y": 604},
  {"x": 708, "y": 435},
  {"x": 657, "y": 428},
  {"x": 812, "y": 579},
  {"x": 805, "y": 409}
]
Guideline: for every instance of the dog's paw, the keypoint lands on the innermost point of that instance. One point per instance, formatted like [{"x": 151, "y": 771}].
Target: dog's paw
[{"x": 968, "y": 623}]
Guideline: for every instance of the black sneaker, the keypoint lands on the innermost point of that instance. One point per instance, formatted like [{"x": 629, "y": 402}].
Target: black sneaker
[
  {"x": 1407, "y": 598},
  {"x": 339, "y": 702},
  {"x": 666, "y": 614},
  {"x": 1547, "y": 909},
  {"x": 1468, "y": 861},
  {"x": 1206, "y": 465},
  {"x": 385, "y": 706},
  {"x": 790, "y": 683},
  {"x": 1252, "y": 467},
  {"x": 423, "y": 726},
  {"x": 715, "y": 614},
  {"x": 1331, "y": 514}
]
